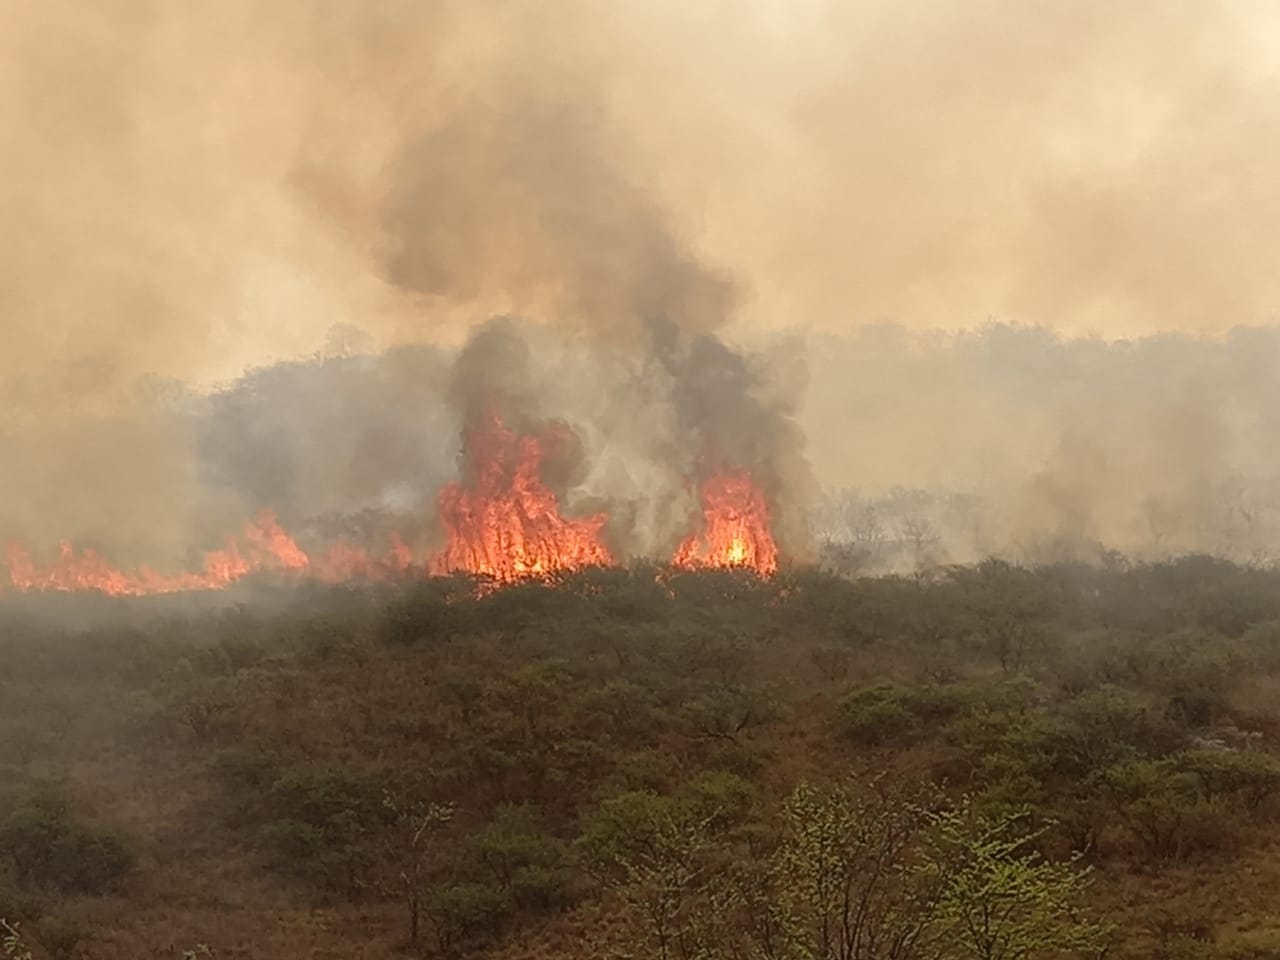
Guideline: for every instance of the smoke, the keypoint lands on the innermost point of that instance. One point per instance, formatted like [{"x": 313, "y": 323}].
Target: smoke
[
  {"x": 1018, "y": 442},
  {"x": 342, "y": 434},
  {"x": 649, "y": 423},
  {"x": 731, "y": 414},
  {"x": 493, "y": 376},
  {"x": 193, "y": 192},
  {"x": 529, "y": 191}
]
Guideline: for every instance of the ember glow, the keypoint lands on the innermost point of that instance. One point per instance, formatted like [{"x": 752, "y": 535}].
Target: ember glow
[
  {"x": 734, "y": 530},
  {"x": 504, "y": 521}
]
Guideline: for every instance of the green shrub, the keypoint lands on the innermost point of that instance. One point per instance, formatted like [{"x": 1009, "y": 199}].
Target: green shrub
[
  {"x": 522, "y": 857},
  {"x": 1196, "y": 678},
  {"x": 1246, "y": 776},
  {"x": 423, "y": 611},
  {"x": 886, "y": 713},
  {"x": 544, "y": 887},
  {"x": 718, "y": 798},
  {"x": 1081, "y": 817},
  {"x": 649, "y": 769},
  {"x": 1167, "y": 812},
  {"x": 621, "y": 710},
  {"x": 728, "y": 712},
  {"x": 875, "y": 717},
  {"x": 463, "y": 912},
  {"x": 231, "y": 652},
  {"x": 621, "y": 827},
  {"x": 742, "y": 758},
  {"x": 1010, "y": 794},
  {"x": 1099, "y": 728},
  {"x": 993, "y": 746},
  {"x": 49, "y": 850},
  {"x": 320, "y": 822},
  {"x": 324, "y": 796}
]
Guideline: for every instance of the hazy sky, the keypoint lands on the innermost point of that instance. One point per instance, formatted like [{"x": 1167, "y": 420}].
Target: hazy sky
[{"x": 194, "y": 188}]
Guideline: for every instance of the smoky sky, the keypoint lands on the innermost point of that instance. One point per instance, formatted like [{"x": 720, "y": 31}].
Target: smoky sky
[
  {"x": 191, "y": 190},
  {"x": 1155, "y": 445},
  {"x": 201, "y": 201}
]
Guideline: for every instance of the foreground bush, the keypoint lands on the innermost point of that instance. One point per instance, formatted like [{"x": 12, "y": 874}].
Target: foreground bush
[{"x": 50, "y": 851}]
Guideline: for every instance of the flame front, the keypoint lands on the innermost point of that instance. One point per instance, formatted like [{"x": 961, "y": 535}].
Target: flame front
[
  {"x": 502, "y": 520},
  {"x": 263, "y": 545},
  {"x": 505, "y": 522},
  {"x": 735, "y": 528}
]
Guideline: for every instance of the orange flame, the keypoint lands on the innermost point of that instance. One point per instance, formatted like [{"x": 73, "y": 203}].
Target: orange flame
[
  {"x": 274, "y": 545},
  {"x": 735, "y": 527},
  {"x": 263, "y": 545},
  {"x": 505, "y": 522},
  {"x": 343, "y": 562}
]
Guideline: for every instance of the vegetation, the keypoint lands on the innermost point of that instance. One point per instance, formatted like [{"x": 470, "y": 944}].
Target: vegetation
[{"x": 988, "y": 762}]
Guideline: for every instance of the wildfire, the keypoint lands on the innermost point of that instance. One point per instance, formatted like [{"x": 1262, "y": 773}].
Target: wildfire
[
  {"x": 505, "y": 522},
  {"x": 344, "y": 561},
  {"x": 735, "y": 527},
  {"x": 502, "y": 520},
  {"x": 263, "y": 545}
]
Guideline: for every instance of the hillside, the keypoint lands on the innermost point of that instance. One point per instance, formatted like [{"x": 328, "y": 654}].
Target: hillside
[{"x": 521, "y": 769}]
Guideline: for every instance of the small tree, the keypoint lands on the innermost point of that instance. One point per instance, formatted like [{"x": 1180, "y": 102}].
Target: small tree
[
  {"x": 663, "y": 882},
  {"x": 523, "y": 858},
  {"x": 858, "y": 873},
  {"x": 1008, "y": 606},
  {"x": 1249, "y": 775},
  {"x": 844, "y": 879},
  {"x": 728, "y": 712},
  {"x": 417, "y": 823},
  {"x": 1166, "y": 810},
  {"x": 1000, "y": 899},
  {"x": 656, "y": 855}
]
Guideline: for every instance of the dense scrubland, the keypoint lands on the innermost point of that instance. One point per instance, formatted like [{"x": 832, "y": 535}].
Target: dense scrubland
[{"x": 987, "y": 761}]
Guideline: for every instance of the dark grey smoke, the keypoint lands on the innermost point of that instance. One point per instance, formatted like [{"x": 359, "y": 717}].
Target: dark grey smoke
[
  {"x": 532, "y": 188},
  {"x": 732, "y": 415},
  {"x": 342, "y": 434}
]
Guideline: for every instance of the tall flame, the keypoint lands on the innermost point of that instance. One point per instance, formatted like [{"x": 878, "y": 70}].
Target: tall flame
[
  {"x": 735, "y": 528},
  {"x": 505, "y": 522}
]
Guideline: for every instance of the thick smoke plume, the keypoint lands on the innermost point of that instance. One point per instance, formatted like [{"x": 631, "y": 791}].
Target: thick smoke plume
[{"x": 194, "y": 191}]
